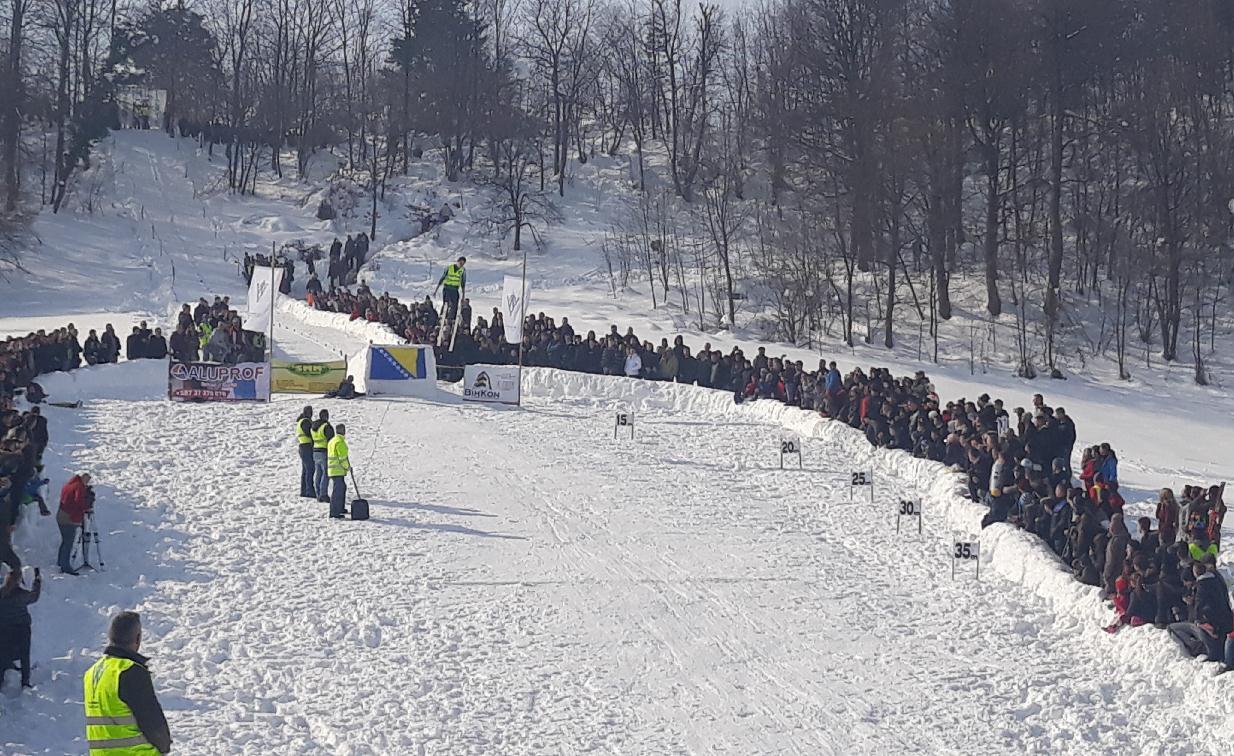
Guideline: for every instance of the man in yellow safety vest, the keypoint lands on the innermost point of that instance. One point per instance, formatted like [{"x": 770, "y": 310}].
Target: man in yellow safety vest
[
  {"x": 123, "y": 715},
  {"x": 339, "y": 466},
  {"x": 304, "y": 440},
  {"x": 322, "y": 432},
  {"x": 451, "y": 282}
]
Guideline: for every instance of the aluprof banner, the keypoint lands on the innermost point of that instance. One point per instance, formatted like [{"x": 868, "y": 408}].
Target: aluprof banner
[
  {"x": 491, "y": 383},
  {"x": 206, "y": 382},
  {"x": 306, "y": 377}
]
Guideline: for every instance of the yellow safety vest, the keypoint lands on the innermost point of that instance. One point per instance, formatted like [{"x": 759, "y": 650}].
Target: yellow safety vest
[
  {"x": 454, "y": 276},
  {"x": 337, "y": 464},
  {"x": 319, "y": 436},
  {"x": 111, "y": 728},
  {"x": 303, "y": 436},
  {"x": 1198, "y": 554}
]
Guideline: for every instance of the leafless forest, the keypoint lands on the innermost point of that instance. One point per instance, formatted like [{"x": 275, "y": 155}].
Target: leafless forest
[{"x": 837, "y": 161}]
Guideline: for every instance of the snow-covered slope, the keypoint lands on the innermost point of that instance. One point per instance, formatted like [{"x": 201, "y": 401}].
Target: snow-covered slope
[{"x": 528, "y": 583}]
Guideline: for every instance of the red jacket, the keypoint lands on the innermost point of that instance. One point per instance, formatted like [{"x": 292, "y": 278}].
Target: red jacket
[{"x": 75, "y": 499}]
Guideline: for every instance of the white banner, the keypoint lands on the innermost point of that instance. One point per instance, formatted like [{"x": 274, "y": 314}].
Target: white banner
[
  {"x": 262, "y": 287},
  {"x": 207, "y": 382},
  {"x": 491, "y": 383},
  {"x": 514, "y": 308}
]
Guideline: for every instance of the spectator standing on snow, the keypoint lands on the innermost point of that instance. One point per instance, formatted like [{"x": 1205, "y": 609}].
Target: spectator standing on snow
[
  {"x": 123, "y": 714},
  {"x": 322, "y": 432},
  {"x": 634, "y": 363},
  {"x": 157, "y": 345},
  {"x": 109, "y": 344},
  {"x": 339, "y": 464},
  {"x": 1108, "y": 465},
  {"x": 1115, "y": 552},
  {"x": 92, "y": 349},
  {"x": 304, "y": 440},
  {"x": 76, "y": 499},
  {"x": 1167, "y": 516},
  {"x": 15, "y": 623}
]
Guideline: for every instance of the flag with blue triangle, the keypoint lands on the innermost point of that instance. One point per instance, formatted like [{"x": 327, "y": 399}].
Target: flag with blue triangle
[{"x": 401, "y": 363}]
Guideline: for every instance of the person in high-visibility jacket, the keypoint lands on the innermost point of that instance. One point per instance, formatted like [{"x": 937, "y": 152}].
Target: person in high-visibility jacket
[
  {"x": 123, "y": 715},
  {"x": 321, "y": 432},
  {"x": 451, "y": 282},
  {"x": 339, "y": 466},
  {"x": 304, "y": 440}
]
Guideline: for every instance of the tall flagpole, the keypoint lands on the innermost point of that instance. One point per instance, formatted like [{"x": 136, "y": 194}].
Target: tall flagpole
[
  {"x": 272, "y": 293},
  {"x": 522, "y": 314},
  {"x": 270, "y": 341}
]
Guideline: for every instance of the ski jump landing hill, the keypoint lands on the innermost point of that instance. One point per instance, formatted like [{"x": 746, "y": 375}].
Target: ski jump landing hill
[{"x": 532, "y": 581}]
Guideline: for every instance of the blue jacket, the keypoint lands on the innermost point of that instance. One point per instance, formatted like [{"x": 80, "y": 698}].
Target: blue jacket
[
  {"x": 833, "y": 381},
  {"x": 1109, "y": 469}
]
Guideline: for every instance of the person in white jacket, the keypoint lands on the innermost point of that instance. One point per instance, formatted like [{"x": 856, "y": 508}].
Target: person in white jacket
[{"x": 634, "y": 363}]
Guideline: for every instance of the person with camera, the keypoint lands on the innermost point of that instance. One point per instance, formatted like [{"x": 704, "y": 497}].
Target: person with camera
[{"x": 76, "y": 499}]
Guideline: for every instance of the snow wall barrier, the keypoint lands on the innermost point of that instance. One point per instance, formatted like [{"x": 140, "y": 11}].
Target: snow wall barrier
[{"x": 136, "y": 380}]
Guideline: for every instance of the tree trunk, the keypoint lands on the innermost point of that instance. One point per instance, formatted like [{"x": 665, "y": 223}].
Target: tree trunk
[
  {"x": 10, "y": 114},
  {"x": 994, "y": 303}
]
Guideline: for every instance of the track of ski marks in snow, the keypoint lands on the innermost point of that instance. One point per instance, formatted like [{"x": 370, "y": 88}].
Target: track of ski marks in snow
[{"x": 531, "y": 585}]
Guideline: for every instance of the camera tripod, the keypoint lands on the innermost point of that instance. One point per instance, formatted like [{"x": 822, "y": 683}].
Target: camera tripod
[{"x": 90, "y": 533}]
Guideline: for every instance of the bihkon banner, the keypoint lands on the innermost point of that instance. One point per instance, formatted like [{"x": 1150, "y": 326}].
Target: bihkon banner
[
  {"x": 498, "y": 384},
  {"x": 207, "y": 382}
]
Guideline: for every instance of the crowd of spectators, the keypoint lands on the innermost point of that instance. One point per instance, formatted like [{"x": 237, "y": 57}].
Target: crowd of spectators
[
  {"x": 289, "y": 269},
  {"x": 214, "y": 332},
  {"x": 23, "y": 440},
  {"x": 1017, "y": 463},
  {"x": 343, "y": 263},
  {"x": 144, "y": 344}
]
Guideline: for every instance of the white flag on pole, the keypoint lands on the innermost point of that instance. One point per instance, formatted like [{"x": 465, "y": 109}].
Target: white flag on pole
[
  {"x": 261, "y": 298},
  {"x": 514, "y": 308}
]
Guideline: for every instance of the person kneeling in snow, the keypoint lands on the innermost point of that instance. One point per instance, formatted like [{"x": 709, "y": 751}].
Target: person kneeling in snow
[{"x": 345, "y": 390}]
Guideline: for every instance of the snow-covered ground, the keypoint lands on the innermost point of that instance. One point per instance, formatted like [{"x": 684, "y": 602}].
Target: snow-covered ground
[{"x": 529, "y": 584}]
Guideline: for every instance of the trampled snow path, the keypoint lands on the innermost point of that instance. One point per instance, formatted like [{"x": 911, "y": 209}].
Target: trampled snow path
[{"x": 530, "y": 585}]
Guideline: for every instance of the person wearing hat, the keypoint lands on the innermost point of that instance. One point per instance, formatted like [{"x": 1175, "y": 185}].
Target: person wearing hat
[
  {"x": 304, "y": 439},
  {"x": 322, "y": 431},
  {"x": 76, "y": 499},
  {"x": 123, "y": 714},
  {"x": 339, "y": 465}
]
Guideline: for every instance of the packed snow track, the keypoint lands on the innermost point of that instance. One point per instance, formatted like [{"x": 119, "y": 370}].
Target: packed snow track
[{"x": 529, "y": 584}]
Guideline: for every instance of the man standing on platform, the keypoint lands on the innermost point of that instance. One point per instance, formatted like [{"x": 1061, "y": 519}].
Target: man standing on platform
[{"x": 451, "y": 282}]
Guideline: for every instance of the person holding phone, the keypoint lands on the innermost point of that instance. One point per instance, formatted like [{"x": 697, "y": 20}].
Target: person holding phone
[{"x": 15, "y": 624}]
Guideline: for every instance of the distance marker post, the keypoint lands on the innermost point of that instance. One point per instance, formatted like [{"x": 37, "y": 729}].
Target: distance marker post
[
  {"x": 965, "y": 549},
  {"x": 789, "y": 447},
  {"x": 624, "y": 420},
  {"x": 861, "y": 479}
]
